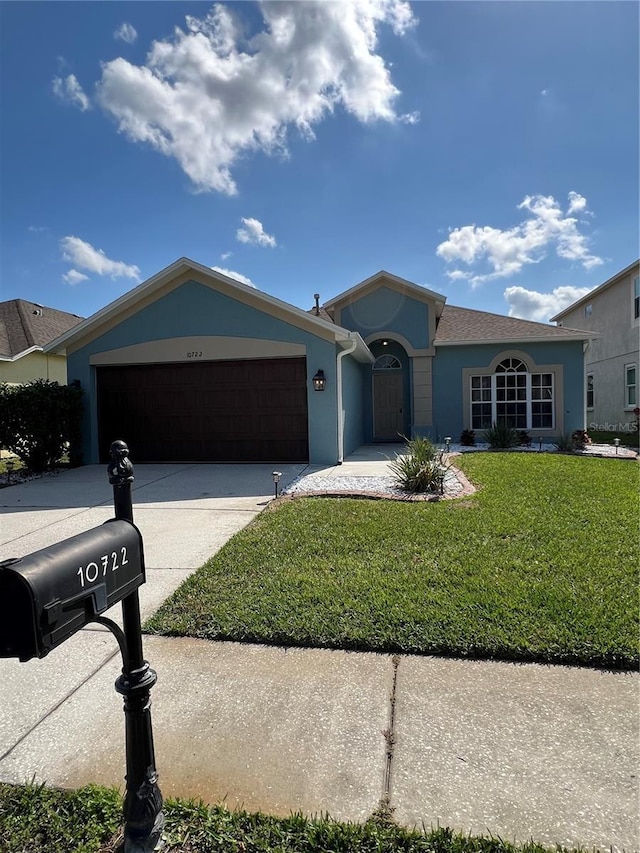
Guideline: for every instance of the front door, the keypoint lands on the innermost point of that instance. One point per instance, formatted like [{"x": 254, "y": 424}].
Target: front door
[{"x": 388, "y": 420}]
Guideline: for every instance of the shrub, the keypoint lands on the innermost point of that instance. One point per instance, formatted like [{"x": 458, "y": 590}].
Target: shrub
[
  {"x": 563, "y": 442},
  {"x": 418, "y": 469},
  {"x": 40, "y": 421},
  {"x": 501, "y": 434},
  {"x": 580, "y": 438},
  {"x": 468, "y": 438},
  {"x": 524, "y": 439}
]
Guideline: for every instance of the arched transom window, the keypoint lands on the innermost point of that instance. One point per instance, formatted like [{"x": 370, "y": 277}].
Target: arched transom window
[
  {"x": 387, "y": 362},
  {"x": 514, "y": 396}
]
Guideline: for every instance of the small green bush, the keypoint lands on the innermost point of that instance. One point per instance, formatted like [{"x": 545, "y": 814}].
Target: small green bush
[
  {"x": 468, "y": 438},
  {"x": 40, "y": 422},
  {"x": 524, "y": 439},
  {"x": 563, "y": 442},
  {"x": 418, "y": 469},
  {"x": 501, "y": 435},
  {"x": 580, "y": 438}
]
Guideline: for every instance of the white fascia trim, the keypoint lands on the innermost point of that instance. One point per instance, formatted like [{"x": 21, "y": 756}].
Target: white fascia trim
[
  {"x": 521, "y": 341},
  {"x": 21, "y": 354},
  {"x": 184, "y": 265},
  {"x": 353, "y": 344}
]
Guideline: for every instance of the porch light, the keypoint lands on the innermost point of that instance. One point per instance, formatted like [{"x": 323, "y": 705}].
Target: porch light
[
  {"x": 319, "y": 381},
  {"x": 385, "y": 343},
  {"x": 276, "y": 479},
  {"x": 447, "y": 443},
  {"x": 616, "y": 442}
]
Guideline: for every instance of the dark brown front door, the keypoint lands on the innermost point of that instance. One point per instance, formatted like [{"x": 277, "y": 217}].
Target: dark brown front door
[
  {"x": 388, "y": 420},
  {"x": 214, "y": 411}
]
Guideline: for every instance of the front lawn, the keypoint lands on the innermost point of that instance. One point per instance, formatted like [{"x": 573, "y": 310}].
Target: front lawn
[{"x": 540, "y": 564}]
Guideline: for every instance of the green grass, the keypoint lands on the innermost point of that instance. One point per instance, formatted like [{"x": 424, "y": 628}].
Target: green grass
[
  {"x": 35, "y": 819},
  {"x": 540, "y": 564}
]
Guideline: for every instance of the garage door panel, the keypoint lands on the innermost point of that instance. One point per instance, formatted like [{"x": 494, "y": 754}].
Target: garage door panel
[{"x": 250, "y": 410}]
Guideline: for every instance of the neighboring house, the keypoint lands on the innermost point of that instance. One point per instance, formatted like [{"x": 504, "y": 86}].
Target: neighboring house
[
  {"x": 25, "y": 329},
  {"x": 611, "y": 359},
  {"x": 194, "y": 366}
]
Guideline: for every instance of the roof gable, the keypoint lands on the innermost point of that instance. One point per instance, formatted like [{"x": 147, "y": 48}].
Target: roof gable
[
  {"x": 466, "y": 325},
  {"x": 596, "y": 291},
  {"x": 185, "y": 269},
  {"x": 386, "y": 279}
]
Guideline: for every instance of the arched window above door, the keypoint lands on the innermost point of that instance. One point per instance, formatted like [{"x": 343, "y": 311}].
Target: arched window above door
[{"x": 387, "y": 362}]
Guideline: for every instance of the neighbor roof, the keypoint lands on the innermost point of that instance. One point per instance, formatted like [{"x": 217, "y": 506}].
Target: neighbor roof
[
  {"x": 596, "y": 290},
  {"x": 26, "y": 326},
  {"x": 466, "y": 326}
]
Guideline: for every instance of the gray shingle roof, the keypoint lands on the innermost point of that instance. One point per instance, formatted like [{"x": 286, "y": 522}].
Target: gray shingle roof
[
  {"x": 25, "y": 324},
  {"x": 466, "y": 324}
]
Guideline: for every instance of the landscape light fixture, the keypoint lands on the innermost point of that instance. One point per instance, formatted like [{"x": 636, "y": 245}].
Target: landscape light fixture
[
  {"x": 319, "y": 381},
  {"x": 440, "y": 475},
  {"x": 276, "y": 479},
  {"x": 447, "y": 443},
  {"x": 539, "y": 440},
  {"x": 616, "y": 442},
  {"x": 9, "y": 466}
]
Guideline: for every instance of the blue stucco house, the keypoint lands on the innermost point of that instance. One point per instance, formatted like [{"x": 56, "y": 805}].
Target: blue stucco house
[{"x": 194, "y": 366}]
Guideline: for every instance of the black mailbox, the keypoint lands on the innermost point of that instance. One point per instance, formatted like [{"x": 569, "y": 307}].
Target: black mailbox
[{"x": 47, "y": 596}]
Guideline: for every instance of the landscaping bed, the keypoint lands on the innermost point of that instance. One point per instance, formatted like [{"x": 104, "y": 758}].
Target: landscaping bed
[{"x": 540, "y": 564}]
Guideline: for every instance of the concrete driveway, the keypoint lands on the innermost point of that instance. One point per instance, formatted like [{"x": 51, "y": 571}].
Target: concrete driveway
[{"x": 185, "y": 513}]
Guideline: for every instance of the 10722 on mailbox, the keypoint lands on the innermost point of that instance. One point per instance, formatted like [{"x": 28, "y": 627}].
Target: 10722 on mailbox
[{"x": 47, "y": 596}]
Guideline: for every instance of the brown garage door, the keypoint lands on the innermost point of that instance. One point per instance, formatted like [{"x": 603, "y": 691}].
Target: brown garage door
[{"x": 214, "y": 411}]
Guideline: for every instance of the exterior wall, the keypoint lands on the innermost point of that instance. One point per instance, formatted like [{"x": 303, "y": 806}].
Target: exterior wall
[
  {"x": 353, "y": 408},
  {"x": 606, "y": 357},
  {"x": 453, "y": 366},
  {"x": 36, "y": 365},
  {"x": 196, "y": 318},
  {"x": 386, "y": 310}
]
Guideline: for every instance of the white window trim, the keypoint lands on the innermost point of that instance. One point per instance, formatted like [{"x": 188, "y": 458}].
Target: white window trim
[
  {"x": 529, "y": 400},
  {"x": 591, "y": 407},
  {"x": 629, "y": 407}
]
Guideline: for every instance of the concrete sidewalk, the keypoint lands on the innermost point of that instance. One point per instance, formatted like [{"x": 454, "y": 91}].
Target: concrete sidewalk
[{"x": 516, "y": 750}]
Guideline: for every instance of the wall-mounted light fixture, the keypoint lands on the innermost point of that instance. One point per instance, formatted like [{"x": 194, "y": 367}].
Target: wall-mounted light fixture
[{"x": 319, "y": 381}]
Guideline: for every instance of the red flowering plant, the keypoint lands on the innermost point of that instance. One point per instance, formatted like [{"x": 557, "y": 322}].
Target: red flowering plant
[{"x": 580, "y": 439}]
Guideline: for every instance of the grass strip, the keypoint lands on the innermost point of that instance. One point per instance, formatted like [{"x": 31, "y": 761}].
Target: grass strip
[
  {"x": 541, "y": 564},
  {"x": 36, "y": 819}
]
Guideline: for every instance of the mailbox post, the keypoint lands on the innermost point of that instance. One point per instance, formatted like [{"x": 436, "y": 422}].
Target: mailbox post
[{"x": 143, "y": 815}]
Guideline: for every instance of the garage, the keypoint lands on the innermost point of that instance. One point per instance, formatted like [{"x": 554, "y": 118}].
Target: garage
[{"x": 243, "y": 410}]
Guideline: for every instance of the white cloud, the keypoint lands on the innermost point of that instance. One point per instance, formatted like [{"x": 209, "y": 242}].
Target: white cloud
[
  {"x": 126, "y": 32},
  {"x": 70, "y": 91},
  {"x": 83, "y": 255},
  {"x": 508, "y": 251},
  {"x": 225, "y": 256},
  {"x": 74, "y": 277},
  {"x": 254, "y": 233},
  {"x": 531, "y": 305},
  {"x": 233, "y": 274},
  {"x": 208, "y": 94},
  {"x": 38, "y": 229}
]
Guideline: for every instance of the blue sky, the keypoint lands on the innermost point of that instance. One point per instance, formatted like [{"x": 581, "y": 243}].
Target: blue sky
[{"x": 488, "y": 151}]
